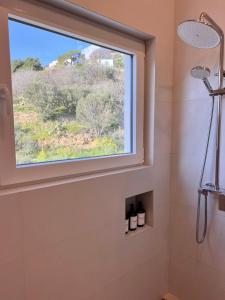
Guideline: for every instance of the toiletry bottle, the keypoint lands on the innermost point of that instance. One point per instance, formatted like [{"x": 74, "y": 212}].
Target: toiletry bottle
[
  {"x": 140, "y": 215},
  {"x": 133, "y": 218},
  {"x": 126, "y": 224}
]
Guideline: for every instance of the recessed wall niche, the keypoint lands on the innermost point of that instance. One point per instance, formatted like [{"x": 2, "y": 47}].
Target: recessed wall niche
[{"x": 147, "y": 202}]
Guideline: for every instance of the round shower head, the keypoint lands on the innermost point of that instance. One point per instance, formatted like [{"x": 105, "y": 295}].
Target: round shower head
[
  {"x": 200, "y": 72},
  {"x": 198, "y": 34}
]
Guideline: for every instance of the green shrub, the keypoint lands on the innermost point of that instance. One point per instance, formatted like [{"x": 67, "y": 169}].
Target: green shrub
[
  {"x": 29, "y": 63},
  {"x": 118, "y": 138},
  {"x": 118, "y": 60},
  {"x": 73, "y": 127},
  {"x": 53, "y": 101},
  {"x": 106, "y": 144},
  {"x": 95, "y": 112},
  {"x": 26, "y": 147}
]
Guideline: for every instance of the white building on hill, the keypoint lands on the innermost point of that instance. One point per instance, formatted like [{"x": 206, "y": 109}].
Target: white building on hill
[
  {"x": 87, "y": 52},
  {"x": 52, "y": 64}
]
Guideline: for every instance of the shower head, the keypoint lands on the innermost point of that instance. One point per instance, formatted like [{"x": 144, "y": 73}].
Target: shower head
[
  {"x": 200, "y": 72},
  {"x": 204, "y": 33},
  {"x": 198, "y": 34}
]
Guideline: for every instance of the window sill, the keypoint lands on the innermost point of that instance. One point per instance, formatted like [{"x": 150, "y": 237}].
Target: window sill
[{"x": 32, "y": 185}]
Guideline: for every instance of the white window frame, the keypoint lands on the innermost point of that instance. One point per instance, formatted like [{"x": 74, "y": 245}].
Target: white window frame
[{"x": 77, "y": 27}]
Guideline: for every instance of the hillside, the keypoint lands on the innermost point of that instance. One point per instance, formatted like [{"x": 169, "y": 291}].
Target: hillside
[{"x": 69, "y": 111}]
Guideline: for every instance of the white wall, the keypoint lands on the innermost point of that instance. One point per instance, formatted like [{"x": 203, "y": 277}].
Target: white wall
[
  {"x": 66, "y": 241},
  {"x": 196, "y": 271}
]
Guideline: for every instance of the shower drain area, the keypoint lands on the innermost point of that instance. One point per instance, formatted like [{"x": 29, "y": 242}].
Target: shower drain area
[{"x": 147, "y": 202}]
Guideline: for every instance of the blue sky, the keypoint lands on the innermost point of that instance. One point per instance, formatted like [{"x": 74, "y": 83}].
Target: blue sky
[{"x": 28, "y": 41}]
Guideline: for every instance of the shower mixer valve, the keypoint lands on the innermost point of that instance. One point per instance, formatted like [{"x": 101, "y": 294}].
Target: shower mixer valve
[{"x": 211, "y": 188}]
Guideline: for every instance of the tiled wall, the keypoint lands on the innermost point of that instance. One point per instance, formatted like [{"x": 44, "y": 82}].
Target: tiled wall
[
  {"x": 197, "y": 272},
  {"x": 67, "y": 241}
]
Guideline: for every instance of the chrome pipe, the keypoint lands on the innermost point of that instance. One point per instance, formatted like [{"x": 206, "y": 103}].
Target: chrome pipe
[
  {"x": 200, "y": 239},
  {"x": 218, "y": 142},
  {"x": 219, "y": 114},
  {"x": 205, "y": 16},
  {"x": 203, "y": 190}
]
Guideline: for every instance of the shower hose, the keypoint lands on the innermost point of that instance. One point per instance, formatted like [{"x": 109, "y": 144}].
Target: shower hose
[{"x": 201, "y": 192}]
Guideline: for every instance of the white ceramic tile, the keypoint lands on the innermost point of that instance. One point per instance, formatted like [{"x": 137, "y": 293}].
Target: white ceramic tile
[
  {"x": 12, "y": 280},
  {"x": 55, "y": 214},
  {"x": 11, "y": 229},
  {"x": 150, "y": 277},
  {"x": 164, "y": 93},
  {"x": 196, "y": 271},
  {"x": 163, "y": 119},
  {"x": 190, "y": 127},
  {"x": 194, "y": 280},
  {"x": 72, "y": 269},
  {"x": 213, "y": 250},
  {"x": 186, "y": 170}
]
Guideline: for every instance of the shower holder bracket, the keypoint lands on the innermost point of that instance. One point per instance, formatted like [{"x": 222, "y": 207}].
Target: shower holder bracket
[
  {"x": 218, "y": 92},
  {"x": 217, "y": 74}
]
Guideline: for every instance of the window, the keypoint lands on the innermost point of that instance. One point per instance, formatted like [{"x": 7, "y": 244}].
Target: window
[
  {"x": 73, "y": 95},
  {"x": 70, "y": 97}
]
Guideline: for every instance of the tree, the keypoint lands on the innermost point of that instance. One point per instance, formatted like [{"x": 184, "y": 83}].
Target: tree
[
  {"x": 20, "y": 81},
  {"x": 69, "y": 55},
  {"x": 118, "y": 60},
  {"x": 28, "y": 64},
  {"x": 95, "y": 112},
  {"x": 32, "y": 64},
  {"x": 16, "y": 65}
]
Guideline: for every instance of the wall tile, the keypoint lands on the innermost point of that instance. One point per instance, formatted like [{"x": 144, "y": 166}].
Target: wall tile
[
  {"x": 11, "y": 229},
  {"x": 67, "y": 241},
  {"x": 196, "y": 271},
  {"x": 125, "y": 287},
  {"x": 12, "y": 280},
  {"x": 163, "y": 119}
]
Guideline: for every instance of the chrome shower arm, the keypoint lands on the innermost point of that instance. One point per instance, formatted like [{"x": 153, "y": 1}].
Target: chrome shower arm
[{"x": 205, "y": 17}]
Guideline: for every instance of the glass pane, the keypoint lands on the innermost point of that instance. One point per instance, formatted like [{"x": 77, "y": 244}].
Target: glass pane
[{"x": 71, "y": 99}]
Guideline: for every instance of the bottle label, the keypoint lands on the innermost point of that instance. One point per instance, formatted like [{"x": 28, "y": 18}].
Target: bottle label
[
  {"x": 126, "y": 226},
  {"x": 133, "y": 222},
  {"x": 141, "y": 219}
]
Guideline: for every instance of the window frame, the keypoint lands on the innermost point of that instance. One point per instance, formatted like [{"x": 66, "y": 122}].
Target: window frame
[{"x": 38, "y": 15}]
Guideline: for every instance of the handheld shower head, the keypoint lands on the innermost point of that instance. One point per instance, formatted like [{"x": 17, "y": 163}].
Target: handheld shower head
[
  {"x": 200, "y": 72},
  {"x": 203, "y": 73}
]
